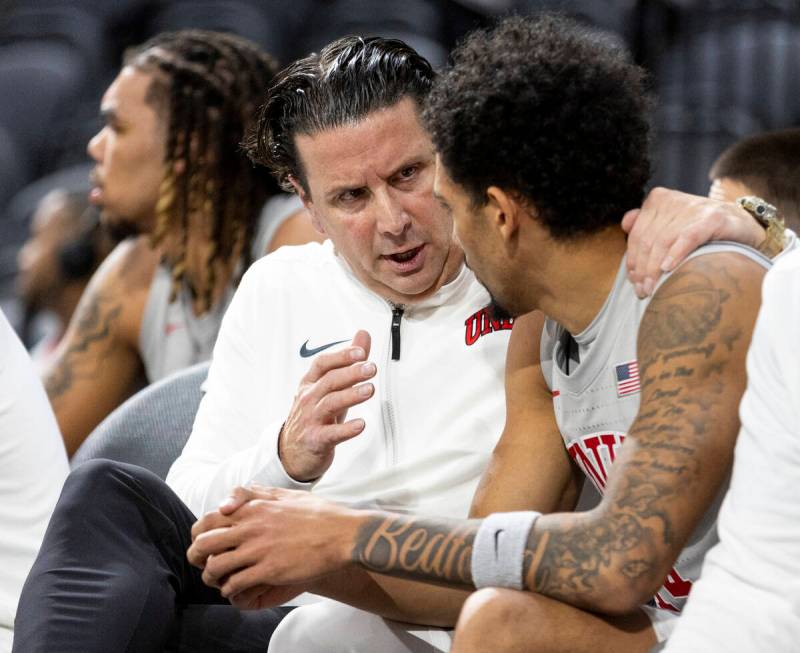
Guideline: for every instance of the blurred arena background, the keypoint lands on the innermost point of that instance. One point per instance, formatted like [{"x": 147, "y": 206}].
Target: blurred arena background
[{"x": 720, "y": 70}]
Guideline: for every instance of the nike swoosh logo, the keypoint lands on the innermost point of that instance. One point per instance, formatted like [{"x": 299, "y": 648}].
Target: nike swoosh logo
[
  {"x": 305, "y": 352},
  {"x": 497, "y": 535}
]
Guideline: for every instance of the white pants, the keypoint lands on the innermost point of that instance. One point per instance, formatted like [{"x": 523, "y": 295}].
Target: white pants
[{"x": 332, "y": 627}]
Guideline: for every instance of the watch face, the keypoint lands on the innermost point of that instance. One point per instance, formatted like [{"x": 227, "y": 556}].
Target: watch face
[{"x": 760, "y": 209}]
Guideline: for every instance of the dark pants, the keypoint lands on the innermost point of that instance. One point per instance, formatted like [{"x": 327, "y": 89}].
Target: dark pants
[{"x": 112, "y": 575}]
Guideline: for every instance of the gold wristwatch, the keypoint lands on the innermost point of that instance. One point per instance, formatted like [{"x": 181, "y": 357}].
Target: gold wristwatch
[{"x": 767, "y": 216}]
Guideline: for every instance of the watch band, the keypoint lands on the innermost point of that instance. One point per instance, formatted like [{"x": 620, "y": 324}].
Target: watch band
[{"x": 767, "y": 216}]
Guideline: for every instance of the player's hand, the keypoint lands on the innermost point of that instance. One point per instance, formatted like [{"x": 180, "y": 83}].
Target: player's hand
[
  {"x": 273, "y": 544},
  {"x": 316, "y": 422},
  {"x": 670, "y": 225}
]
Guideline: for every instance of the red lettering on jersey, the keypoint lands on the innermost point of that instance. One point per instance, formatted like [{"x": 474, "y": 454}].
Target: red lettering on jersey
[
  {"x": 588, "y": 453},
  {"x": 675, "y": 585},
  {"x": 480, "y": 324},
  {"x": 665, "y": 605},
  {"x": 586, "y": 465},
  {"x": 592, "y": 444}
]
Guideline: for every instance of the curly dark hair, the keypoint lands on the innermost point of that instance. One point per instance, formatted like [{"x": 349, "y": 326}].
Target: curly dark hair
[
  {"x": 550, "y": 110},
  {"x": 208, "y": 87},
  {"x": 343, "y": 83}
]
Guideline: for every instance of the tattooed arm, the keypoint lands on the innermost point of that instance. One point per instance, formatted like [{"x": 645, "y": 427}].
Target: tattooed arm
[
  {"x": 692, "y": 345},
  {"x": 97, "y": 362}
]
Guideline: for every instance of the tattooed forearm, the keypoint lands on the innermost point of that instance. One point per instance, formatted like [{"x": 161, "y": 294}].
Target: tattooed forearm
[
  {"x": 424, "y": 549},
  {"x": 93, "y": 328}
]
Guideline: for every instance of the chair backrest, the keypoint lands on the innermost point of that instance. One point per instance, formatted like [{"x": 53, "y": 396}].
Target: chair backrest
[{"x": 151, "y": 427}]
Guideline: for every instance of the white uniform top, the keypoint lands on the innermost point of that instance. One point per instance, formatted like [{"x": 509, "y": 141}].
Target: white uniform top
[
  {"x": 748, "y": 598},
  {"x": 33, "y": 466},
  {"x": 172, "y": 337},
  {"x": 597, "y": 401},
  {"x": 431, "y": 425}
]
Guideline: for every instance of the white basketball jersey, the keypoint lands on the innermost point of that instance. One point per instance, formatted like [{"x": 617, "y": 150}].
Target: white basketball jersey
[{"x": 594, "y": 379}]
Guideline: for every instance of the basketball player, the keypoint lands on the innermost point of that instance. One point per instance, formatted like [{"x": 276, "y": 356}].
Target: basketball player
[{"x": 169, "y": 174}]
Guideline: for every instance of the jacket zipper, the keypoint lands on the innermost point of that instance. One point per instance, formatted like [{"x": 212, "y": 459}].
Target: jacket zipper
[
  {"x": 388, "y": 407},
  {"x": 397, "y": 315}
]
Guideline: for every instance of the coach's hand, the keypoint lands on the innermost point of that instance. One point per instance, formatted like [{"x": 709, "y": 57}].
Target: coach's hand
[
  {"x": 316, "y": 422},
  {"x": 671, "y": 225},
  {"x": 265, "y": 545}
]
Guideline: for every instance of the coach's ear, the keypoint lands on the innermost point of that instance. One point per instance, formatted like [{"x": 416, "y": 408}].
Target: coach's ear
[
  {"x": 305, "y": 198},
  {"x": 504, "y": 210}
]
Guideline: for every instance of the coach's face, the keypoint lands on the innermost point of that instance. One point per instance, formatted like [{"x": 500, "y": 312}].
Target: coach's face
[
  {"x": 129, "y": 154},
  {"x": 370, "y": 190}
]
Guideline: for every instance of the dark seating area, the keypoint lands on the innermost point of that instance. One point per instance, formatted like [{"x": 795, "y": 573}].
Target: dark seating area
[{"x": 719, "y": 69}]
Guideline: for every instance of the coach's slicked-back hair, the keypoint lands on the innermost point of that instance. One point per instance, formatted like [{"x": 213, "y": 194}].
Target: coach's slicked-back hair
[
  {"x": 341, "y": 84},
  {"x": 769, "y": 165},
  {"x": 208, "y": 86},
  {"x": 548, "y": 109}
]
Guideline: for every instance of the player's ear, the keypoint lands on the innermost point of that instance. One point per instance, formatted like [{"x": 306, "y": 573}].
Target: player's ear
[{"x": 503, "y": 210}]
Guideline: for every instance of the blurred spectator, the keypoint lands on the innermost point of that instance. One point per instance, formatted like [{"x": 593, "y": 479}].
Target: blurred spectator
[
  {"x": 65, "y": 247},
  {"x": 170, "y": 175},
  {"x": 33, "y": 467},
  {"x": 767, "y": 165}
]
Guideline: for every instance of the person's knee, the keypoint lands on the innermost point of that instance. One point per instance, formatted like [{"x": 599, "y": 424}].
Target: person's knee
[
  {"x": 289, "y": 634},
  {"x": 100, "y": 478},
  {"x": 479, "y": 620},
  {"x": 333, "y": 627},
  {"x": 485, "y": 617},
  {"x": 92, "y": 476},
  {"x": 98, "y": 475}
]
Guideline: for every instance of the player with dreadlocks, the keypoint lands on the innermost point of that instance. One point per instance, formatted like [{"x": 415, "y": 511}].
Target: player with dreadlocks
[{"x": 170, "y": 178}]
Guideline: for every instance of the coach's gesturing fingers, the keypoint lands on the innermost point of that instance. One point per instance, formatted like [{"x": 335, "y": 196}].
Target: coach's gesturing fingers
[{"x": 317, "y": 421}]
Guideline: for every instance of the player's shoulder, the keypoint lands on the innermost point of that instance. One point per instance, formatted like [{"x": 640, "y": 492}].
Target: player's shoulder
[
  {"x": 723, "y": 266},
  {"x": 120, "y": 286},
  {"x": 130, "y": 266},
  {"x": 717, "y": 291},
  {"x": 524, "y": 346}
]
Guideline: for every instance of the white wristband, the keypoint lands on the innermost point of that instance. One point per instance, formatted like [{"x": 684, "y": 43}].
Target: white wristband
[{"x": 499, "y": 547}]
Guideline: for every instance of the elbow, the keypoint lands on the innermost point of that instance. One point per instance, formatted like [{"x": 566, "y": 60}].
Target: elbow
[
  {"x": 623, "y": 594},
  {"x": 617, "y": 602}
]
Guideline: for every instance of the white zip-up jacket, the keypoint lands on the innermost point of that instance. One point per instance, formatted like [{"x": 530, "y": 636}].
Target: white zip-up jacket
[{"x": 437, "y": 411}]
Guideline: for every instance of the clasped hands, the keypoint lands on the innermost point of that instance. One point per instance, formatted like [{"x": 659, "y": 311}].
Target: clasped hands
[{"x": 264, "y": 546}]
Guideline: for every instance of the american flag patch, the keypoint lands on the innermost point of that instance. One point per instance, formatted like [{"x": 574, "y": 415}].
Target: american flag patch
[{"x": 627, "y": 378}]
